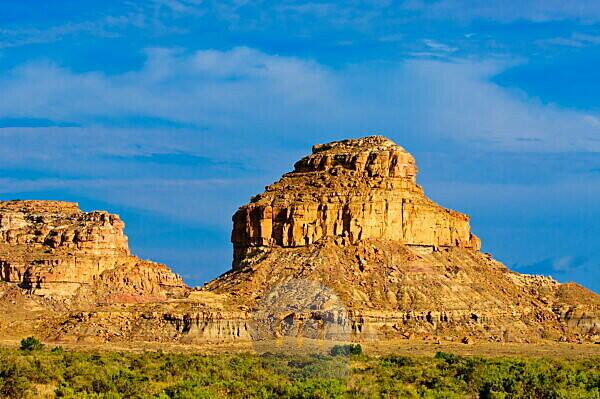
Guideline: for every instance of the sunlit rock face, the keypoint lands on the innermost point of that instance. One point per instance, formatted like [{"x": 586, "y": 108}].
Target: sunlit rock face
[
  {"x": 352, "y": 219},
  {"x": 345, "y": 247},
  {"x": 62, "y": 227},
  {"x": 353, "y": 189},
  {"x": 53, "y": 248}
]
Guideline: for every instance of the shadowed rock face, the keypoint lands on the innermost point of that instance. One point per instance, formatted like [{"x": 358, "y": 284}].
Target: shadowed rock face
[
  {"x": 357, "y": 189},
  {"x": 52, "y": 248}
]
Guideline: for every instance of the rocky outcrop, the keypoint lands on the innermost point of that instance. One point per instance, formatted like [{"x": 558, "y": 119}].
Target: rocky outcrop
[
  {"x": 347, "y": 247},
  {"x": 136, "y": 280},
  {"x": 352, "y": 217},
  {"x": 52, "y": 248},
  {"x": 355, "y": 189},
  {"x": 60, "y": 226}
]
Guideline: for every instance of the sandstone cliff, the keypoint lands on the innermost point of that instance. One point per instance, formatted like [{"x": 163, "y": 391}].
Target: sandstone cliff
[
  {"x": 345, "y": 247},
  {"x": 352, "y": 217},
  {"x": 53, "y": 249},
  {"x": 356, "y": 189}
]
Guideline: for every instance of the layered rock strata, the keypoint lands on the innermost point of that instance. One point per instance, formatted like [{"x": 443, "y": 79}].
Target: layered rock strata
[
  {"x": 53, "y": 248},
  {"x": 352, "y": 217},
  {"x": 357, "y": 189},
  {"x": 345, "y": 247}
]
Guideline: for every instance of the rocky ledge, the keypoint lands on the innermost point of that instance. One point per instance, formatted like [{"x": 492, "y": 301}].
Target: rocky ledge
[
  {"x": 54, "y": 249},
  {"x": 345, "y": 247},
  {"x": 388, "y": 260},
  {"x": 353, "y": 189}
]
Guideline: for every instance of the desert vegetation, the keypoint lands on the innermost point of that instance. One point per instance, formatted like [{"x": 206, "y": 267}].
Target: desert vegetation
[{"x": 35, "y": 371}]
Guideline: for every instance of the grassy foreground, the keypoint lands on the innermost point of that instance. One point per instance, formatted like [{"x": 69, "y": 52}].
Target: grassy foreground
[{"x": 35, "y": 372}]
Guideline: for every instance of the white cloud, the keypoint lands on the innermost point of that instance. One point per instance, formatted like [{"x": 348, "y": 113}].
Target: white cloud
[
  {"x": 212, "y": 88},
  {"x": 243, "y": 92},
  {"x": 592, "y": 120},
  {"x": 435, "y": 45},
  {"x": 566, "y": 264},
  {"x": 575, "y": 40},
  {"x": 107, "y": 26},
  {"x": 360, "y": 14},
  {"x": 302, "y": 20},
  {"x": 181, "y": 6},
  {"x": 505, "y": 11}
]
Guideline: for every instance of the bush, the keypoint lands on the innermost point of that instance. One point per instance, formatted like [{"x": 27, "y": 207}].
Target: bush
[
  {"x": 31, "y": 344},
  {"x": 115, "y": 375},
  {"x": 346, "y": 350},
  {"x": 13, "y": 384}
]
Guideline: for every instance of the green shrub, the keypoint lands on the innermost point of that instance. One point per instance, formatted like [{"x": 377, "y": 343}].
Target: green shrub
[
  {"x": 31, "y": 344},
  {"x": 113, "y": 375},
  {"x": 13, "y": 382},
  {"x": 346, "y": 350}
]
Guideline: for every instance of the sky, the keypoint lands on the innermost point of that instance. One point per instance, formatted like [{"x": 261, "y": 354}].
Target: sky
[{"x": 173, "y": 113}]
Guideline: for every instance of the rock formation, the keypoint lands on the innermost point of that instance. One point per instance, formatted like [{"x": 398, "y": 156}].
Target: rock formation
[
  {"x": 352, "y": 217},
  {"x": 353, "y": 189},
  {"x": 345, "y": 247},
  {"x": 54, "y": 249}
]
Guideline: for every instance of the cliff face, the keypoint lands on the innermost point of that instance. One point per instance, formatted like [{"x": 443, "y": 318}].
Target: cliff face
[
  {"x": 345, "y": 247},
  {"x": 352, "y": 218},
  {"x": 52, "y": 248},
  {"x": 355, "y": 189},
  {"x": 62, "y": 227}
]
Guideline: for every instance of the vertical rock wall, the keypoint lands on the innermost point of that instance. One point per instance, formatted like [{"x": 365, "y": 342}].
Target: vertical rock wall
[
  {"x": 356, "y": 189},
  {"x": 53, "y": 248}
]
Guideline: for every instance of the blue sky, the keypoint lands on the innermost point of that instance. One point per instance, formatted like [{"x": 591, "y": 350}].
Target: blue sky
[{"x": 173, "y": 113}]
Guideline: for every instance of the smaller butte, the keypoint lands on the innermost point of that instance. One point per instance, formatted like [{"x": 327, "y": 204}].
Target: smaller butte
[{"x": 54, "y": 249}]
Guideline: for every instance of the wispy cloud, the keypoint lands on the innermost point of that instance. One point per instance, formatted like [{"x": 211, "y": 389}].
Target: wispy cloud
[
  {"x": 395, "y": 37},
  {"x": 107, "y": 26},
  {"x": 434, "y": 45},
  {"x": 33, "y": 122},
  {"x": 575, "y": 40},
  {"x": 560, "y": 265},
  {"x": 174, "y": 198},
  {"x": 211, "y": 88},
  {"x": 190, "y": 7},
  {"x": 466, "y": 10},
  {"x": 564, "y": 268},
  {"x": 227, "y": 92},
  {"x": 528, "y": 10}
]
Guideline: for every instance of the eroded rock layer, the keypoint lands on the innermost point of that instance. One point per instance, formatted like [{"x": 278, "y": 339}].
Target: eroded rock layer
[
  {"x": 359, "y": 189},
  {"x": 52, "y": 248},
  {"x": 352, "y": 218},
  {"x": 346, "y": 248}
]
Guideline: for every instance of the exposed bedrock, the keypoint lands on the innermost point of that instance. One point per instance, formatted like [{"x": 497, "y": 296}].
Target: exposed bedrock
[
  {"x": 359, "y": 189},
  {"x": 54, "y": 249},
  {"x": 345, "y": 247}
]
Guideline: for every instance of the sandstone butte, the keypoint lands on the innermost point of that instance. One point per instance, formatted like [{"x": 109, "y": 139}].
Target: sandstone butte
[{"x": 345, "y": 247}]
